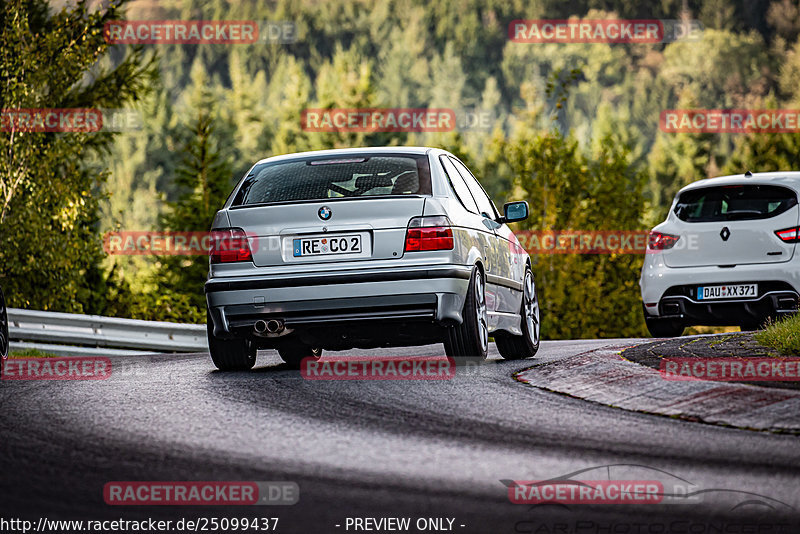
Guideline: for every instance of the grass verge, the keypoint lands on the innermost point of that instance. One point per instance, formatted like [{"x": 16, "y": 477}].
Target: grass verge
[
  {"x": 782, "y": 335},
  {"x": 31, "y": 353}
]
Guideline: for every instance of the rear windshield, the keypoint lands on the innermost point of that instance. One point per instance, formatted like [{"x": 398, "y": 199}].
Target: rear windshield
[
  {"x": 329, "y": 178},
  {"x": 734, "y": 203}
]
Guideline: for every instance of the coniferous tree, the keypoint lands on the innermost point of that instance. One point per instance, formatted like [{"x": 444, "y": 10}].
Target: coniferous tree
[{"x": 204, "y": 180}]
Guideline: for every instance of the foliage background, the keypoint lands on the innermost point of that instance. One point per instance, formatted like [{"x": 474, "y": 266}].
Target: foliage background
[{"x": 575, "y": 131}]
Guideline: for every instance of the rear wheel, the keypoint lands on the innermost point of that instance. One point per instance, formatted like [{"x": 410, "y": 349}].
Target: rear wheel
[
  {"x": 470, "y": 339},
  {"x": 294, "y": 353},
  {"x": 513, "y": 347},
  {"x": 230, "y": 354},
  {"x": 664, "y": 327}
]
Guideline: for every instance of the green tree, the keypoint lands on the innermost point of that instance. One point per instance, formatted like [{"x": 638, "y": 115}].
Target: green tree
[
  {"x": 204, "y": 179},
  {"x": 760, "y": 152},
  {"x": 723, "y": 69},
  {"x": 290, "y": 90},
  {"x": 582, "y": 296},
  {"x": 784, "y": 16},
  {"x": 347, "y": 81},
  {"x": 51, "y": 249},
  {"x": 244, "y": 113}
]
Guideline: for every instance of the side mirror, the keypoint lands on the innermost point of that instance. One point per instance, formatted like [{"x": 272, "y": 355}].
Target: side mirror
[{"x": 515, "y": 211}]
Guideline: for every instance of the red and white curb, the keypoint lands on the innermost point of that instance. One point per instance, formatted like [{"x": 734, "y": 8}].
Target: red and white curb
[{"x": 605, "y": 377}]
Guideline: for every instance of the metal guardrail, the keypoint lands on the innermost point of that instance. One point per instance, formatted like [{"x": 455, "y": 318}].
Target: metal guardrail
[{"x": 107, "y": 332}]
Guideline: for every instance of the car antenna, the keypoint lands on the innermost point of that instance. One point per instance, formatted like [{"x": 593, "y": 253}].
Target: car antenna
[{"x": 748, "y": 174}]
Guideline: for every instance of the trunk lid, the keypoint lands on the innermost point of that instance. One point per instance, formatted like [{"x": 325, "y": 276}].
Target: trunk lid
[{"x": 377, "y": 225}]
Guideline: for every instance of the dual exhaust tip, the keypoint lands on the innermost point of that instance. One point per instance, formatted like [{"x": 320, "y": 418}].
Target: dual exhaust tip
[{"x": 273, "y": 326}]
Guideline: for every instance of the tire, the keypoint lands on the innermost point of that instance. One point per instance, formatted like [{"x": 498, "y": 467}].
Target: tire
[
  {"x": 230, "y": 354},
  {"x": 513, "y": 347},
  {"x": 3, "y": 327},
  {"x": 664, "y": 327},
  {"x": 294, "y": 353},
  {"x": 470, "y": 339}
]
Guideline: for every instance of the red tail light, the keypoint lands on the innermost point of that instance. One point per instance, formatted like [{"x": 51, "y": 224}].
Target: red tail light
[
  {"x": 659, "y": 241},
  {"x": 789, "y": 235},
  {"x": 429, "y": 233},
  {"x": 229, "y": 245}
]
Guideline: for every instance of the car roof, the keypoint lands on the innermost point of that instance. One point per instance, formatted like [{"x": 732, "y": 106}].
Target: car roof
[
  {"x": 415, "y": 150},
  {"x": 786, "y": 178}
]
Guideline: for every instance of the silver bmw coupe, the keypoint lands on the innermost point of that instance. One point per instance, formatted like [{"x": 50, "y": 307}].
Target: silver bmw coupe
[{"x": 367, "y": 248}]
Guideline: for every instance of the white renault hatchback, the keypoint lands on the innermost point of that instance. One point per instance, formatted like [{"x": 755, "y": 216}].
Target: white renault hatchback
[{"x": 726, "y": 255}]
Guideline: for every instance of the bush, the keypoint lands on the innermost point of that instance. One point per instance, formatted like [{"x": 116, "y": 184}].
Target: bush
[{"x": 782, "y": 335}]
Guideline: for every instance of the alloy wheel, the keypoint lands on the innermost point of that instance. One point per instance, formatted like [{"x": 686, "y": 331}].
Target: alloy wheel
[
  {"x": 480, "y": 310},
  {"x": 532, "y": 315}
]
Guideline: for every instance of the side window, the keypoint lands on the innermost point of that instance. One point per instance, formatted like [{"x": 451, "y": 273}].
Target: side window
[
  {"x": 459, "y": 187},
  {"x": 485, "y": 205}
]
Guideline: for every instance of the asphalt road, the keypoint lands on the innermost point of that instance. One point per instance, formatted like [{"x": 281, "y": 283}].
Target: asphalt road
[{"x": 417, "y": 449}]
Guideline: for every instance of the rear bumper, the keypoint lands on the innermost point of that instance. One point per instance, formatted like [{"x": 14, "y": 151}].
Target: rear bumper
[
  {"x": 348, "y": 298},
  {"x": 669, "y": 293},
  {"x": 339, "y": 278},
  {"x": 728, "y": 312}
]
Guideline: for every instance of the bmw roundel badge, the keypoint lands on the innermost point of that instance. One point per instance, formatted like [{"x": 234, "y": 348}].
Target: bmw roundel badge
[{"x": 324, "y": 213}]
